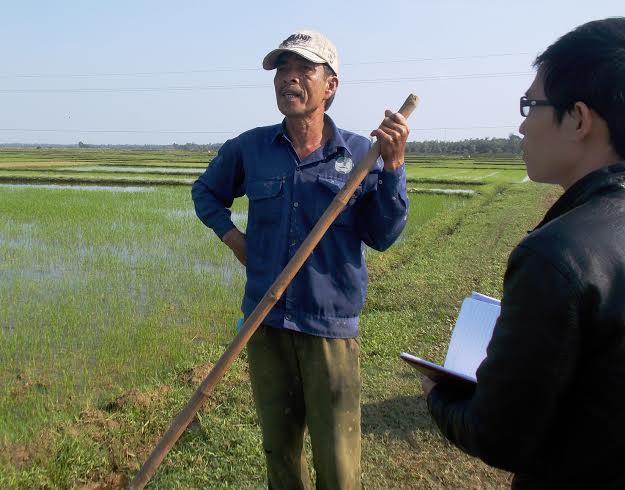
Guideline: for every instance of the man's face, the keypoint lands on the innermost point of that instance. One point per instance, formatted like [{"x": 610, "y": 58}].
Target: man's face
[
  {"x": 547, "y": 151},
  {"x": 302, "y": 86}
]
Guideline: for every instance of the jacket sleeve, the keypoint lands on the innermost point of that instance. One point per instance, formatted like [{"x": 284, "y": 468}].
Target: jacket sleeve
[
  {"x": 530, "y": 364},
  {"x": 382, "y": 210},
  {"x": 215, "y": 190}
]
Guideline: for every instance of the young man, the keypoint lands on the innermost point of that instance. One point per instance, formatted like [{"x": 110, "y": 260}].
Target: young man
[
  {"x": 304, "y": 359},
  {"x": 550, "y": 395}
]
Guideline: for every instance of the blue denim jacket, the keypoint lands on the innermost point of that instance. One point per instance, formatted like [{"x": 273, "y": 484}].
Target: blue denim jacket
[{"x": 286, "y": 198}]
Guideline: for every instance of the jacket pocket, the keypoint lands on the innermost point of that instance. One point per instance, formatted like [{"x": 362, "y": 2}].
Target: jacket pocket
[
  {"x": 329, "y": 187},
  {"x": 265, "y": 201}
]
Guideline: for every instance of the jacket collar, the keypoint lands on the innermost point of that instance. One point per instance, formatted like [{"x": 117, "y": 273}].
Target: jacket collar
[{"x": 584, "y": 189}]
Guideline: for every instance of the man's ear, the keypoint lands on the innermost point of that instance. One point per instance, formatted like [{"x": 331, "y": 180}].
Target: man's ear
[
  {"x": 582, "y": 120},
  {"x": 333, "y": 83}
]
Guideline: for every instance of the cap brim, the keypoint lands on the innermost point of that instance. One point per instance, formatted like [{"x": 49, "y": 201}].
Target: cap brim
[{"x": 269, "y": 61}]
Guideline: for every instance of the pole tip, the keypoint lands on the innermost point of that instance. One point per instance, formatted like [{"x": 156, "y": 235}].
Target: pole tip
[{"x": 409, "y": 105}]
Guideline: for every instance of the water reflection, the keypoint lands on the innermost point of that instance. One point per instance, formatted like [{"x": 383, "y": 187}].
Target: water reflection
[
  {"x": 136, "y": 170},
  {"x": 434, "y": 190},
  {"x": 109, "y": 188}
]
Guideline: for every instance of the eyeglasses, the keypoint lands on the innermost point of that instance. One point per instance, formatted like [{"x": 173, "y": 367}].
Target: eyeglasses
[{"x": 526, "y": 104}]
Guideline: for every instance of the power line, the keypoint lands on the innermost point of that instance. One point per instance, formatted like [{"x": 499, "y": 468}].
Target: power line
[
  {"x": 233, "y": 69},
  {"x": 189, "y": 88},
  {"x": 131, "y": 131},
  {"x": 174, "y": 131},
  {"x": 438, "y": 77},
  {"x": 450, "y": 58},
  {"x": 457, "y": 128}
]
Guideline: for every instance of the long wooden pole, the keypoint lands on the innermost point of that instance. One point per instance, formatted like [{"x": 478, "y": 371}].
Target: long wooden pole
[{"x": 184, "y": 418}]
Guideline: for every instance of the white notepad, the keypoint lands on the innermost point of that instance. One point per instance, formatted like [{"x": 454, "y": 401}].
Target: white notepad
[{"x": 469, "y": 339}]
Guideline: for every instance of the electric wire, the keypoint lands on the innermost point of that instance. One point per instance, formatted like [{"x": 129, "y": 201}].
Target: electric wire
[
  {"x": 244, "y": 69},
  {"x": 177, "y": 131},
  {"x": 189, "y": 88}
]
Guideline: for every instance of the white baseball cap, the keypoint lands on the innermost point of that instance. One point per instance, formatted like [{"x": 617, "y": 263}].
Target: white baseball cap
[{"x": 311, "y": 45}]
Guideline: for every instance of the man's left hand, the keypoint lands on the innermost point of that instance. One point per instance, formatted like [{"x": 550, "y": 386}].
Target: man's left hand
[
  {"x": 392, "y": 135},
  {"x": 427, "y": 385}
]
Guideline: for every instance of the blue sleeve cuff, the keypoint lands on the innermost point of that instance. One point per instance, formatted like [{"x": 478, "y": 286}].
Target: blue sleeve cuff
[
  {"x": 393, "y": 183},
  {"x": 223, "y": 227},
  {"x": 393, "y": 179}
]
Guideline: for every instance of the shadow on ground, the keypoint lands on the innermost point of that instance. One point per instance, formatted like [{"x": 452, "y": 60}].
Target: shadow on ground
[{"x": 398, "y": 417}]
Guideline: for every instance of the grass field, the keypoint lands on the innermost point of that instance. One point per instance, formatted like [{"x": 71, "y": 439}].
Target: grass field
[{"x": 114, "y": 302}]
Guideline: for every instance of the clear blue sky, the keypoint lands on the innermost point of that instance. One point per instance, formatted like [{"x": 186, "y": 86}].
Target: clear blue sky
[{"x": 76, "y": 65}]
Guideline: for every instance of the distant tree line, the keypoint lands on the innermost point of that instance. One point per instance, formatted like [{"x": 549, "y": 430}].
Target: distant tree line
[
  {"x": 509, "y": 146},
  {"x": 197, "y": 147},
  {"x": 476, "y": 146}
]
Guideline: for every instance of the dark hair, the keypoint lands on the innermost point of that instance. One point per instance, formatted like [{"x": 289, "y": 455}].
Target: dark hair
[{"x": 588, "y": 65}]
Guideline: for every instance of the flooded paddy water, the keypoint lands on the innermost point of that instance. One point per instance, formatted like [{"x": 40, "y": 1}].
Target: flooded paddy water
[
  {"x": 437, "y": 190},
  {"x": 79, "y": 187},
  {"x": 137, "y": 170}
]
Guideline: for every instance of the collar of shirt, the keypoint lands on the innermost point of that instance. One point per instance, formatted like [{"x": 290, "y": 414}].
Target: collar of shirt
[{"x": 332, "y": 146}]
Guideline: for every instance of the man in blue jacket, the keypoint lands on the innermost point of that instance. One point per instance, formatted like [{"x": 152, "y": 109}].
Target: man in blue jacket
[
  {"x": 304, "y": 359},
  {"x": 550, "y": 395}
]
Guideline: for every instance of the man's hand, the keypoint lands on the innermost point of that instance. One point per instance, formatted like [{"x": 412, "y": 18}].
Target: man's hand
[
  {"x": 392, "y": 135},
  {"x": 427, "y": 384},
  {"x": 236, "y": 241}
]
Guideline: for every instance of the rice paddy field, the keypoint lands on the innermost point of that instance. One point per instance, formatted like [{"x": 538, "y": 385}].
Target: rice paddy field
[{"x": 115, "y": 301}]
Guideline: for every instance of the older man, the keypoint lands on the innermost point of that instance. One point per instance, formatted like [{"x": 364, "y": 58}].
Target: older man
[
  {"x": 550, "y": 398},
  {"x": 304, "y": 359}
]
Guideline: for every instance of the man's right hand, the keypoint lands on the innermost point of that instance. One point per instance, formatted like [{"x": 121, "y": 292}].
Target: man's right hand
[{"x": 236, "y": 241}]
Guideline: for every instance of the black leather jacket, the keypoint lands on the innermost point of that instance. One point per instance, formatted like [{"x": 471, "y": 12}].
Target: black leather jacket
[{"x": 550, "y": 398}]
